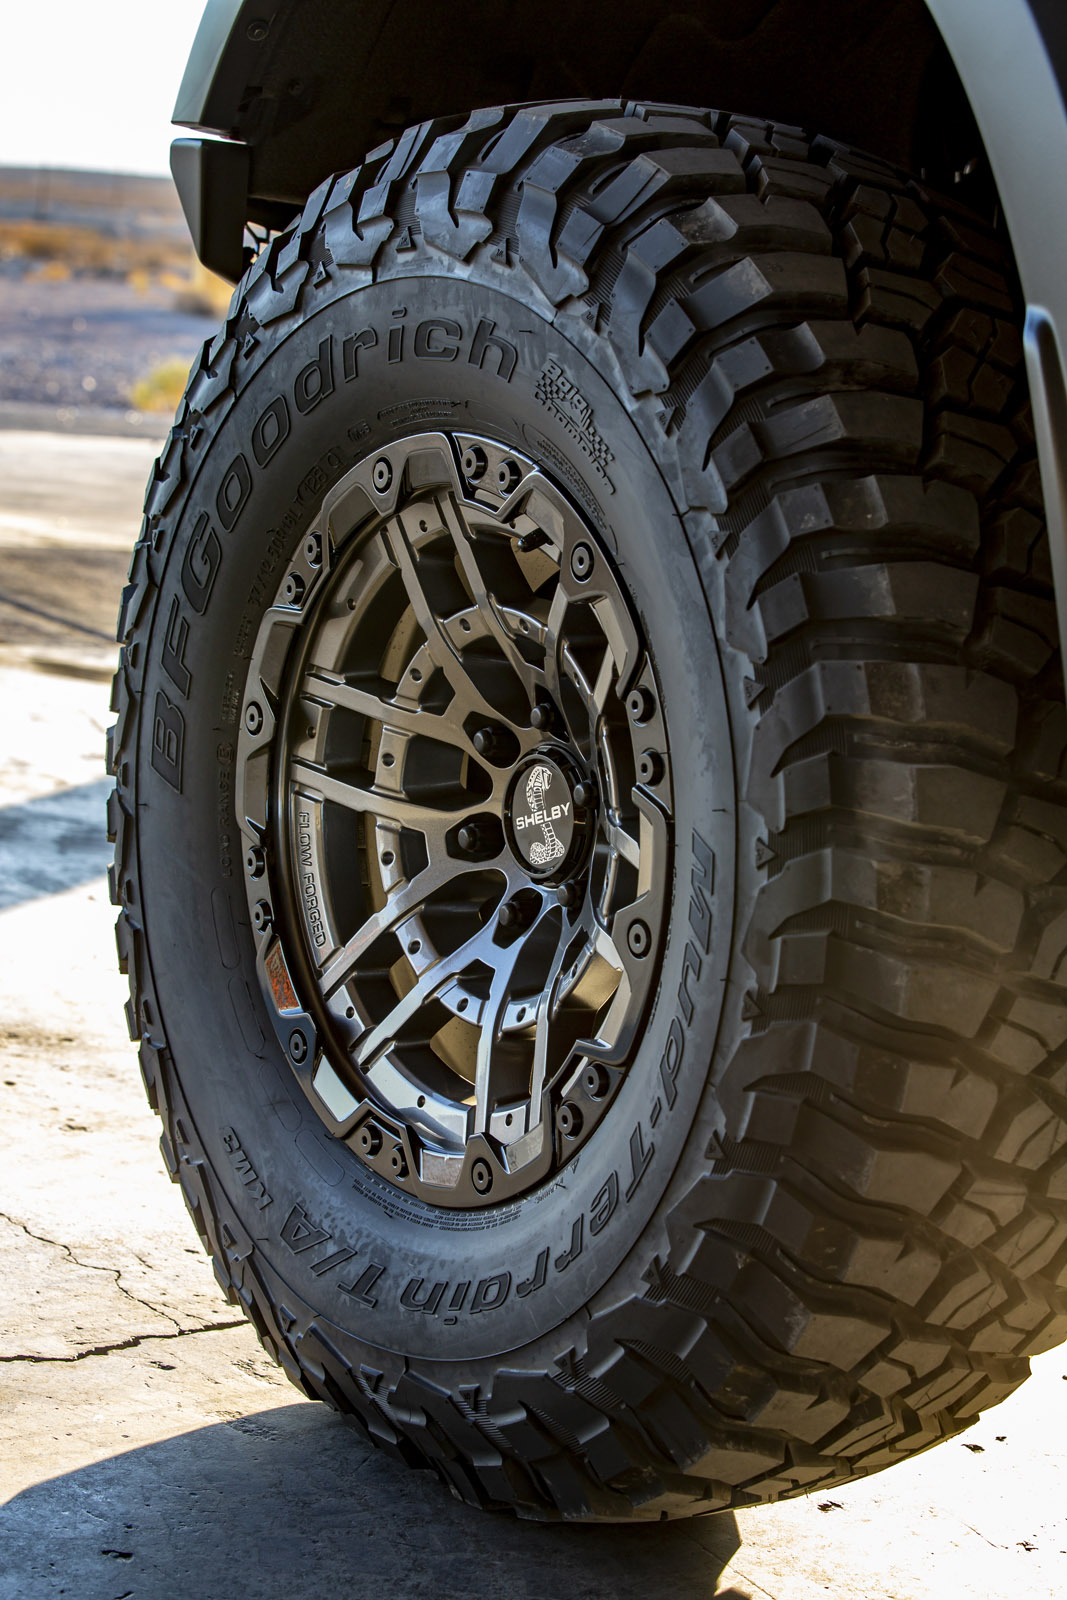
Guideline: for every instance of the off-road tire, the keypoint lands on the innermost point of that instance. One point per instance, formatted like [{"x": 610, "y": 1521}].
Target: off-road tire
[{"x": 845, "y": 1129}]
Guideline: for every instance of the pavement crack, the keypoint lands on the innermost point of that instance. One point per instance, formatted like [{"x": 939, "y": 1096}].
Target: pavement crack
[
  {"x": 91, "y": 1266},
  {"x": 123, "y": 1344}
]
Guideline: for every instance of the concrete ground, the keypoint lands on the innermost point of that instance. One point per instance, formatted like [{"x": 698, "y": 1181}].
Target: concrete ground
[{"x": 148, "y": 1448}]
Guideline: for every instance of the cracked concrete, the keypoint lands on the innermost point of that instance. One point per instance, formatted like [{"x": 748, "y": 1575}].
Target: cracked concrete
[{"x": 148, "y": 1446}]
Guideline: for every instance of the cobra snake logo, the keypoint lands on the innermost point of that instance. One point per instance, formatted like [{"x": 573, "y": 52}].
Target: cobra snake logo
[{"x": 550, "y": 849}]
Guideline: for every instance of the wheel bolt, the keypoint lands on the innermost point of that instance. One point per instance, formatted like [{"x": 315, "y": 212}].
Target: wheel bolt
[
  {"x": 370, "y": 1140},
  {"x": 568, "y": 894},
  {"x": 298, "y": 1046},
  {"x": 638, "y": 939},
  {"x": 398, "y": 1163},
  {"x": 485, "y": 741},
  {"x": 595, "y": 1081},
  {"x": 581, "y": 562},
  {"x": 569, "y": 1119},
  {"x": 262, "y": 917},
  {"x": 313, "y": 549},
  {"x": 474, "y": 463},
  {"x": 482, "y": 1176},
  {"x": 469, "y": 838},
  {"x": 294, "y": 589},
  {"x": 585, "y": 793},
  {"x": 639, "y": 705},
  {"x": 256, "y": 862},
  {"x": 650, "y": 767},
  {"x": 253, "y": 717},
  {"x": 543, "y": 715},
  {"x": 511, "y": 914},
  {"x": 507, "y": 476},
  {"x": 381, "y": 475}
]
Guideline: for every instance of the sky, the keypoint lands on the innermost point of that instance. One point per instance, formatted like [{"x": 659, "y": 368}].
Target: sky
[{"x": 92, "y": 83}]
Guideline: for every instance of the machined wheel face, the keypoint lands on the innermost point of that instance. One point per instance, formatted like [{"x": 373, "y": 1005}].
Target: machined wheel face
[{"x": 454, "y": 788}]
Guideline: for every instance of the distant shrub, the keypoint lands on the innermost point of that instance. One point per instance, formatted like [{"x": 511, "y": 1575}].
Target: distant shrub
[{"x": 163, "y": 387}]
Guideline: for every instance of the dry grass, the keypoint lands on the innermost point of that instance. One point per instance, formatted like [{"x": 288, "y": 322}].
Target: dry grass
[
  {"x": 84, "y": 249},
  {"x": 162, "y": 389}
]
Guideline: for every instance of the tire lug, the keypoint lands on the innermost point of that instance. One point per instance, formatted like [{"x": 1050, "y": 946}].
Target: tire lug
[
  {"x": 485, "y": 740},
  {"x": 585, "y": 794},
  {"x": 568, "y": 894}
]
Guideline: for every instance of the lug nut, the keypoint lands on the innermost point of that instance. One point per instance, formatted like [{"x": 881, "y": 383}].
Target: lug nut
[
  {"x": 369, "y": 1140},
  {"x": 595, "y": 1081},
  {"x": 569, "y": 1119},
  {"x": 512, "y": 914},
  {"x": 398, "y": 1163},
  {"x": 313, "y": 549},
  {"x": 485, "y": 741},
  {"x": 253, "y": 717},
  {"x": 568, "y": 894},
  {"x": 470, "y": 838},
  {"x": 650, "y": 767},
  {"x": 262, "y": 917},
  {"x": 581, "y": 562},
  {"x": 482, "y": 1176},
  {"x": 381, "y": 474},
  {"x": 255, "y": 862},
  {"x": 474, "y": 463},
  {"x": 584, "y": 793},
  {"x": 638, "y": 939},
  {"x": 298, "y": 1046},
  {"x": 639, "y": 705},
  {"x": 507, "y": 476},
  {"x": 295, "y": 588},
  {"x": 543, "y": 715}
]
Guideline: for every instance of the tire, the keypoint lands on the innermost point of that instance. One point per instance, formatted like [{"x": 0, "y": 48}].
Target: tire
[{"x": 819, "y": 1221}]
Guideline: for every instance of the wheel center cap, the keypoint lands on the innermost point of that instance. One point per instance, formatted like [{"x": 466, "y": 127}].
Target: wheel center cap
[{"x": 541, "y": 820}]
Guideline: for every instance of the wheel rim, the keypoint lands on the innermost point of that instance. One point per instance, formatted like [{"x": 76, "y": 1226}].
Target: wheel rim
[{"x": 454, "y": 787}]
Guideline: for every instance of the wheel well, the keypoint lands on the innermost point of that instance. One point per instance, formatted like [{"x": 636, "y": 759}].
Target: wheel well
[{"x": 338, "y": 78}]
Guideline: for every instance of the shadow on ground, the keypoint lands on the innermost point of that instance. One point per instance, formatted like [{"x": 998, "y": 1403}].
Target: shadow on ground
[
  {"x": 289, "y": 1502},
  {"x": 53, "y": 842}
]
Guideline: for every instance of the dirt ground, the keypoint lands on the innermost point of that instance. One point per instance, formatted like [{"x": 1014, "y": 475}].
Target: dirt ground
[{"x": 147, "y": 1445}]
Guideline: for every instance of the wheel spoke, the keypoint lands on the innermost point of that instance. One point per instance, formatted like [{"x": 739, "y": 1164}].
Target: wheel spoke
[
  {"x": 462, "y": 539},
  {"x": 401, "y": 904},
  {"x": 442, "y": 651},
  {"x": 445, "y": 970},
  {"x": 431, "y": 822},
  {"x": 332, "y": 690}
]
